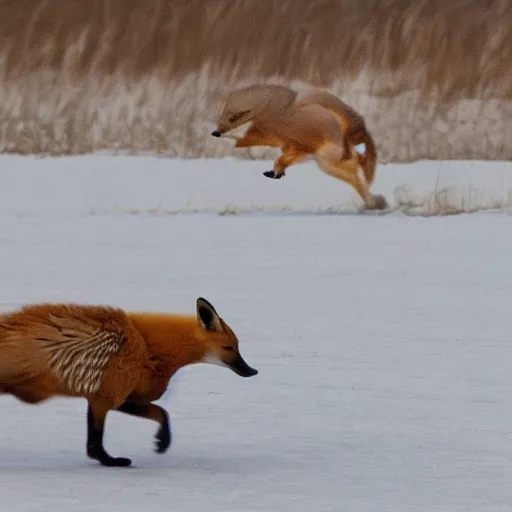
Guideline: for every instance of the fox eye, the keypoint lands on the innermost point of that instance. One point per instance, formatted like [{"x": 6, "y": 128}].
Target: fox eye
[
  {"x": 230, "y": 349},
  {"x": 238, "y": 116}
]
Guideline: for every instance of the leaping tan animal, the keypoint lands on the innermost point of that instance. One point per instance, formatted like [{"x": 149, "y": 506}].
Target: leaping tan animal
[{"x": 318, "y": 124}]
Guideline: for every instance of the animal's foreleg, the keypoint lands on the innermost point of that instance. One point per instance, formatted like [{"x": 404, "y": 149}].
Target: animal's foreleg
[
  {"x": 156, "y": 413},
  {"x": 255, "y": 137},
  {"x": 289, "y": 157},
  {"x": 96, "y": 415}
]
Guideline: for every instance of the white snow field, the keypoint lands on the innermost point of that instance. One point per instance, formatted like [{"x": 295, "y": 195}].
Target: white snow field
[{"x": 383, "y": 341}]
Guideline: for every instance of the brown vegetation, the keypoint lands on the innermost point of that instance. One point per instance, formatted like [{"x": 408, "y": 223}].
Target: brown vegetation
[{"x": 433, "y": 78}]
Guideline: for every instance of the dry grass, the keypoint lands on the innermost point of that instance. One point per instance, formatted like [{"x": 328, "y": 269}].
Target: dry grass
[
  {"x": 439, "y": 202},
  {"x": 450, "y": 201},
  {"x": 432, "y": 77}
]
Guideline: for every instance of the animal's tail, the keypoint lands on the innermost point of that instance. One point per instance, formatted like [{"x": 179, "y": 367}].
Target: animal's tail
[
  {"x": 9, "y": 373},
  {"x": 368, "y": 160},
  {"x": 14, "y": 366},
  {"x": 355, "y": 137}
]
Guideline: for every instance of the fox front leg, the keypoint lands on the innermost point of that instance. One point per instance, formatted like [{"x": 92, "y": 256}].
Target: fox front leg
[
  {"x": 278, "y": 171},
  {"x": 152, "y": 412},
  {"x": 289, "y": 157}
]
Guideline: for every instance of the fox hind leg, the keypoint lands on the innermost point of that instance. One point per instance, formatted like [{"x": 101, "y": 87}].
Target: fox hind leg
[
  {"x": 96, "y": 415},
  {"x": 331, "y": 160},
  {"x": 152, "y": 412}
]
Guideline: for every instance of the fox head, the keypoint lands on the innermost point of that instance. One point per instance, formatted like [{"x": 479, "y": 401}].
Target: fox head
[
  {"x": 245, "y": 104},
  {"x": 220, "y": 342}
]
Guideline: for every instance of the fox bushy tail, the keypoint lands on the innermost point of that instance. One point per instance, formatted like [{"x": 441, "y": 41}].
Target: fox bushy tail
[{"x": 369, "y": 163}]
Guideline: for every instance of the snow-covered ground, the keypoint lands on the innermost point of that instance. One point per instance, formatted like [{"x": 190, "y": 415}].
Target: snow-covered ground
[
  {"x": 383, "y": 342},
  {"x": 102, "y": 184}
]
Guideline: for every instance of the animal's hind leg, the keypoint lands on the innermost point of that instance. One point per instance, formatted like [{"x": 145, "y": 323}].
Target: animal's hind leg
[
  {"x": 96, "y": 415},
  {"x": 152, "y": 412},
  {"x": 331, "y": 160}
]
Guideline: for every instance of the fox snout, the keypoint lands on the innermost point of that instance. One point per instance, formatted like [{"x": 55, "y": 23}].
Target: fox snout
[
  {"x": 232, "y": 119},
  {"x": 240, "y": 367},
  {"x": 235, "y": 363},
  {"x": 222, "y": 127}
]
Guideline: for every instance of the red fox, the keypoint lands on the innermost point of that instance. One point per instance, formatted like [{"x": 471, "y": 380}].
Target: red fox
[
  {"x": 117, "y": 360},
  {"x": 318, "y": 124}
]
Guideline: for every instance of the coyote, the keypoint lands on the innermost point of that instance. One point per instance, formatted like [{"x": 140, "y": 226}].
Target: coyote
[
  {"x": 317, "y": 123},
  {"x": 117, "y": 360}
]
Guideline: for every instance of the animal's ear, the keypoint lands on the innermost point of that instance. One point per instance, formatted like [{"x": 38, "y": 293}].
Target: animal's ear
[{"x": 207, "y": 316}]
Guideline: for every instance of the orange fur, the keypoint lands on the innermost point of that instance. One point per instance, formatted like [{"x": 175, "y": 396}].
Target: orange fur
[
  {"x": 112, "y": 358},
  {"x": 190, "y": 344},
  {"x": 318, "y": 124},
  {"x": 354, "y": 126}
]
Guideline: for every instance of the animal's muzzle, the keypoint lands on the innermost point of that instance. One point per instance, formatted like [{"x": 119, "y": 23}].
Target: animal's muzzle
[
  {"x": 240, "y": 367},
  {"x": 216, "y": 133}
]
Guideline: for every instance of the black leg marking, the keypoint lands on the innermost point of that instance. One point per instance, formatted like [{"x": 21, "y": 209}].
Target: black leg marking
[
  {"x": 273, "y": 175},
  {"x": 95, "y": 450},
  {"x": 156, "y": 413}
]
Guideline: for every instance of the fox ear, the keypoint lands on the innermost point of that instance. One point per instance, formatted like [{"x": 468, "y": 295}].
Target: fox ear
[{"x": 207, "y": 316}]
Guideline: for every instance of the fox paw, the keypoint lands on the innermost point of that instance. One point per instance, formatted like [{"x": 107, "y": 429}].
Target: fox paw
[
  {"x": 378, "y": 202},
  {"x": 163, "y": 439},
  {"x": 381, "y": 203},
  {"x": 273, "y": 175}
]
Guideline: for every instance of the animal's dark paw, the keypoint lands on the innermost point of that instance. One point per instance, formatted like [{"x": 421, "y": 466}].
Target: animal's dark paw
[
  {"x": 378, "y": 202},
  {"x": 162, "y": 440},
  {"x": 119, "y": 462},
  {"x": 273, "y": 175},
  {"x": 99, "y": 454}
]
